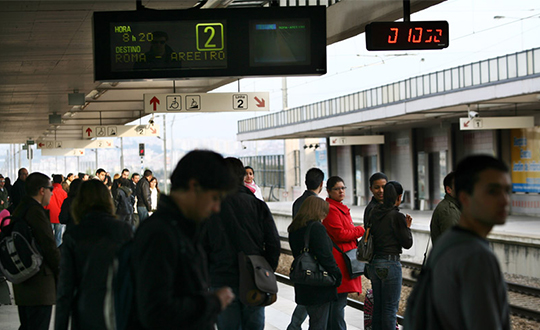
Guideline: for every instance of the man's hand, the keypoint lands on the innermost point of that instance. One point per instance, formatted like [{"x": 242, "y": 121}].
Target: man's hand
[{"x": 225, "y": 295}]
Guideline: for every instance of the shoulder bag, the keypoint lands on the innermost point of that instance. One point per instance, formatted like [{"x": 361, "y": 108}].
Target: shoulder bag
[
  {"x": 306, "y": 270},
  {"x": 364, "y": 252},
  {"x": 258, "y": 283},
  {"x": 354, "y": 266}
]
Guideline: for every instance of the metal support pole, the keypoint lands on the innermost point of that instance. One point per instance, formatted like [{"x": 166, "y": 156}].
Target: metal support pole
[
  {"x": 122, "y": 153},
  {"x": 406, "y": 10},
  {"x": 96, "y": 159},
  {"x": 165, "y": 153}
]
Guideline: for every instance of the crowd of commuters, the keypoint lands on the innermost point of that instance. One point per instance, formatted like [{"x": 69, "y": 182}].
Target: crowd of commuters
[{"x": 186, "y": 245}]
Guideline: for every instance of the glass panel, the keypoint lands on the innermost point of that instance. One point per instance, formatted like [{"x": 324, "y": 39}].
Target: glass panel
[
  {"x": 447, "y": 80},
  {"x": 502, "y": 64},
  {"x": 512, "y": 66},
  {"x": 536, "y": 60},
  {"x": 413, "y": 87},
  {"x": 493, "y": 70},
  {"x": 455, "y": 78},
  {"x": 440, "y": 82},
  {"x": 433, "y": 83},
  {"x": 484, "y": 72},
  {"x": 476, "y": 73},
  {"x": 385, "y": 94},
  {"x": 522, "y": 64}
]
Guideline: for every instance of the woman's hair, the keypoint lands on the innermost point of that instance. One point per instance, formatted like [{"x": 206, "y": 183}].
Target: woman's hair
[
  {"x": 312, "y": 209},
  {"x": 157, "y": 184},
  {"x": 93, "y": 196},
  {"x": 249, "y": 167},
  {"x": 391, "y": 192},
  {"x": 74, "y": 188},
  {"x": 331, "y": 182}
]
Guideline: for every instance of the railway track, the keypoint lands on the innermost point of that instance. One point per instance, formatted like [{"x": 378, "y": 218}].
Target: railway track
[{"x": 524, "y": 300}]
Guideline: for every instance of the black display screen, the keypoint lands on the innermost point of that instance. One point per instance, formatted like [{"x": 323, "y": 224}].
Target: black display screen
[
  {"x": 150, "y": 44},
  {"x": 168, "y": 45},
  {"x": 407, "y": 35}
]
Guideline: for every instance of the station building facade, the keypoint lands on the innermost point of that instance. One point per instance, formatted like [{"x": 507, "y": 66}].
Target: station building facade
[{"x": 419, "y": 132}]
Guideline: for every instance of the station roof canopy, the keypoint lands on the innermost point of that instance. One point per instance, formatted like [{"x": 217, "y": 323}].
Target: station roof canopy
[{"x": 47, "y": 53}]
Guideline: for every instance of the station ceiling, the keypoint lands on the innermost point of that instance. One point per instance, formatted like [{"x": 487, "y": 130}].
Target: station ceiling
[{"x": 47, "y": 53}]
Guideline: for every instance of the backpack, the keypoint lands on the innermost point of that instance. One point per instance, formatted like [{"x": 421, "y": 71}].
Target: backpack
[
  {"x": 20, "y": 256},
  {"x": 421, "y": 313},
  {"x": 120, "y": 289}
]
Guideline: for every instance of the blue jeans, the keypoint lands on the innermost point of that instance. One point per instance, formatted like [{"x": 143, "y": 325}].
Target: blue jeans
[
  {"x": 318, "y": 316},
  {"x": 298, "y": 317},
  {"x": 238, "y": 316},
  {"x": 143, "y": 213},
  {"x": 385, "y": 276},
  {"x": 336, "y": 319},
  {"x": 57, "y": 229}
]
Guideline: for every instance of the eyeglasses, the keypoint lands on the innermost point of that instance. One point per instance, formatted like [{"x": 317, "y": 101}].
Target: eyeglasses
[
  {"x": 161, "y": 42},
  {"x": 339, "y": 188},
  {"x": 47, "y": 187}
]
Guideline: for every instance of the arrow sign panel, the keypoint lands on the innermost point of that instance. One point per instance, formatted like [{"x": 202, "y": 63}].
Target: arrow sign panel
[
  {"x": 89, "y": 132},
  {"x": 207, "y": 102},
  {"x": 482, "y": 123},
  {"x": 62, "y": 152},
  {"x": 75, "y": 144}
]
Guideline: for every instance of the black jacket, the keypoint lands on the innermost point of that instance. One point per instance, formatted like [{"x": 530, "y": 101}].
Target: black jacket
[
  {"x": 143, "y": 194},
  {"x": 371, "y": 205},
  {"x": 320, "y": 246},
  {"x": 87, "y": 251},
  {"x": 65, "y": 216},
  {"x": 298, "y": 202},
  {"x": 123, "y": 202},
  {"x": 244, "y": 224},
  {"x": 389, "y": 230},
  {"x": 17, "y": 194},
  {"x": 170, "y": 273}
]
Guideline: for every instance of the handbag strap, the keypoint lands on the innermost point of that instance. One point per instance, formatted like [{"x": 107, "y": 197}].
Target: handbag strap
[
  {"x": 307, "y": 235},
  {"x": 337, "y": 247}
]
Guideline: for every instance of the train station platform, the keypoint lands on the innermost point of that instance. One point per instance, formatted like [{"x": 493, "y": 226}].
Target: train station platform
[
  {"x": 518, "y": 226},
  {"x": 516, "y": 243},
  {"x": 278, "y": 315}
]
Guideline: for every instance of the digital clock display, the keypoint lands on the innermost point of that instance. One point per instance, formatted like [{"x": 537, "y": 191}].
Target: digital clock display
[
  {"x": 170, "y": 44},
  {"x": 407, "y": 35}
]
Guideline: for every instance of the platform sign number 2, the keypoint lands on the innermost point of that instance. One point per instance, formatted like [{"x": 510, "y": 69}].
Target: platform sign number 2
[
  {"x": 209, "y": 36},
  {"x": 240, "y": 101}
]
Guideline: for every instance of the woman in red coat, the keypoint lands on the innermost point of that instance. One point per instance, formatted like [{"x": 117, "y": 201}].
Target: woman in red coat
[{"x": 344, "y": 234}]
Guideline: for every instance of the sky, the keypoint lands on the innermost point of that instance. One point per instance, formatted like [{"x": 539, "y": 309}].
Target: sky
[{"x": 475, "y": 34}]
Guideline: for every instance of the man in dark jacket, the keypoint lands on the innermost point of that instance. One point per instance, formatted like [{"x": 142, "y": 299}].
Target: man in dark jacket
[
  {"x": 314, "y": 184},
  {"x": 169, "y": 265},
  {"x": 35, "y": 296},
  {"x": 447, "y": 213},
  {"x": 244, "y": 224},
  {"x": 18, "y": 191},
  {"x": 144, "y": 205}
]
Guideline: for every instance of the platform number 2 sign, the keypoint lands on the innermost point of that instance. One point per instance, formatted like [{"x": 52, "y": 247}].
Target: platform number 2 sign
[{"x": 240, "y": 101}]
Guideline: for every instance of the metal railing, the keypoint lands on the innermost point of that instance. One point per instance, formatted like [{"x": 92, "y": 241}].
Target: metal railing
[
  {"x": 483, "y": 73},
  {"x": 269, "y": 170}
]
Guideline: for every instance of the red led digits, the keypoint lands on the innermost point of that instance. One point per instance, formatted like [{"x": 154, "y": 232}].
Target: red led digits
[
  {"x": 439, "y": 31},
  {"x": 415, "y": 38},
  {"x": 407, "y": 35},
  {"x": 393, "y": 40}
]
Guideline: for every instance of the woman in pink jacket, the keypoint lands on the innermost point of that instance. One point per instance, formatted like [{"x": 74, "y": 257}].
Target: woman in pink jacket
[{"x": 344, "y": 234}]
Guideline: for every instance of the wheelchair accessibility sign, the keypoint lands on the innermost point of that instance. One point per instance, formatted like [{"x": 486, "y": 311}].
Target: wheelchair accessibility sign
[
  {"x": 207, "y": 102},
  {"x": 174, "y": 103}
]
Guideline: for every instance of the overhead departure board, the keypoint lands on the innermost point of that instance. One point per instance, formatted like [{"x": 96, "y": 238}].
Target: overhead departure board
[
  {"x": 407, "y": 35},
  {"x": 150, "y": 44}
]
